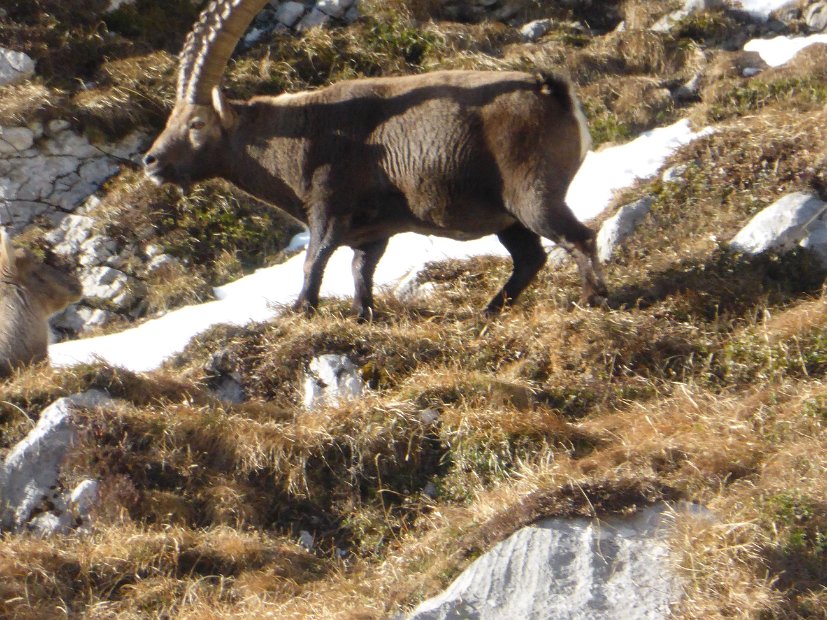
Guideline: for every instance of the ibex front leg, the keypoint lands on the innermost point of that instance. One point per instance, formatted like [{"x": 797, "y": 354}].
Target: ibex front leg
[{"x": 324, "y": 237}]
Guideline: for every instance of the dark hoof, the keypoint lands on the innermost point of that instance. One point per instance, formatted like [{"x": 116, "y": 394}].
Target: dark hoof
[
  {"x": 304, "y": 308},
  {"x": 595, "y": 300},
  {"x": 364, "y": 315}
]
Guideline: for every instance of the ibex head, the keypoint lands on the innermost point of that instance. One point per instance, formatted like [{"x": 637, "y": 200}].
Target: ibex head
[
  {"x": 49, "y": 288},
  {"x": 196, "y": 132}
]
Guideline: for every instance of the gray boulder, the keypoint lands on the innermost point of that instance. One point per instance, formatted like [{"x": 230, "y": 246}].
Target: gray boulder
[
  {"x": 568, "y": 569},
  {"x": 314, "y": 19},
  {"x": 289, "y": 13},
  {"x": 535, "y": 29},
  {"x": 816, "y": 17},
  {"x": 14, "y": 66},
  {"x": 781, "y": 226}
]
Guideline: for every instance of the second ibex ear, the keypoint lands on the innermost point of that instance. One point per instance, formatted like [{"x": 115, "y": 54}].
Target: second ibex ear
[{"x": 223, "y": 108}]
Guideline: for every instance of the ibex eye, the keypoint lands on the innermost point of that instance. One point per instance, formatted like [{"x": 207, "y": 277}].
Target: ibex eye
[{"x": 197, "y": 125}]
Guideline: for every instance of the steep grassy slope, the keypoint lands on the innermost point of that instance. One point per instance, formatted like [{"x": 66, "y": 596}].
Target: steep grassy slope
[{"x": 703, "y": 381}]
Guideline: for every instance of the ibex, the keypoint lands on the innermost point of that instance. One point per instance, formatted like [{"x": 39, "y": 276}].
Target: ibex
[
  {"x": 30, "y": 292},
  {"x": 458, "y": 154}
]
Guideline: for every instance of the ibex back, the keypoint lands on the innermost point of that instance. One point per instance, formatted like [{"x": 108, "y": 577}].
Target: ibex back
[
  {"x": 459, "y": 154},
  {"x": 30, "y": 292}
]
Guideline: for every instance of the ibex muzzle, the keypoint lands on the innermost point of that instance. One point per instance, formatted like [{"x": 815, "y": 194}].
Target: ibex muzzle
[{"x": 459, "y": 154}]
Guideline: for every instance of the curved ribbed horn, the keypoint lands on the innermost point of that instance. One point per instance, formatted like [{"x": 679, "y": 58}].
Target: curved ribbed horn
[{"x": 209, "y": 45}]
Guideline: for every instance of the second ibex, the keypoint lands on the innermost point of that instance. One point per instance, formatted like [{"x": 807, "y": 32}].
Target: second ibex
[{"x": 458, "y": 154}]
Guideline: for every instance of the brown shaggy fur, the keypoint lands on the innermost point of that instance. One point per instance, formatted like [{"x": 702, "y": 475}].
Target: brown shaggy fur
[{"x": 30, "y": 292}]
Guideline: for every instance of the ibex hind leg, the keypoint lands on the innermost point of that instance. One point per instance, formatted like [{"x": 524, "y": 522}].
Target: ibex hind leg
[
  {"x": 561, "y": 226},
  {"x": 528, "y": 257},
  {"x": 365, "y": 259}
]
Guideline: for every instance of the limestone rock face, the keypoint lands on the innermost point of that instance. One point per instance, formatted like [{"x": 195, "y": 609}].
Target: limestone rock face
[
  {"x": 568, "y": 569},
  {"x": 52, "y": 170}
]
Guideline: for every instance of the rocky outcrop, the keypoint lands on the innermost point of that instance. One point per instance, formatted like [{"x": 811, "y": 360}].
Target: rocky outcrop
[
  {"x": 300, "y": 16},
  {"x": 30, "y": 493}
]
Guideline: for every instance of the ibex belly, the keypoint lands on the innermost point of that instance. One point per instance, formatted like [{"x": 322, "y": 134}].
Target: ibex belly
[{"x": 436, "y": 157}]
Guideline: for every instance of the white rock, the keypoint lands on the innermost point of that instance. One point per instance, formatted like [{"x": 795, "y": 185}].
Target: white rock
[
  {"x": 96, "y": 250},
  {"x": 15, "y": 139},
  {"x": 162, "y": 263},
  {"x": 70, "y": 144},
  {"x": 80, "y": 319},
  {"x": 83, "y": 498},
  {"x": 535, "y": 29},
  {"x": 51, "y": 524},
  {"x": 429, "y": 415},
  {"x": 110, "y": 285},
  {"x": 334, "y": 8},
  {"x": 73, "y": 231},
  {"x": 409, "y": 289},
  {"x": 330, "y": 379},
  {"x": 14, "y": 66},
  {"x": 780, "y": 226},
  {"x": 816, "y": 17},
  {"x": 290, "y": 13},
  {"x": 306, "y": 540},
  {"x": 314, "y": 19},
  {"x": 114, "y": 5},
  {"x": 674, "y": 174},
  {"x": 620, "y": 226},
  {"x": 568, "y": 569}
]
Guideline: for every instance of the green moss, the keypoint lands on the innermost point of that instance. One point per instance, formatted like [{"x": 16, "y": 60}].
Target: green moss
[
  {"x": 604, "y": 125},
  {"x": 801, "y": 93},
  {"x": 211, "y": 222},
  {"x": 708, "y": 27}
]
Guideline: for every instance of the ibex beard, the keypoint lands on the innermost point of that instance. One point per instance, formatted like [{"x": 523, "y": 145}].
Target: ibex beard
[{"x": 459, "y": 154}]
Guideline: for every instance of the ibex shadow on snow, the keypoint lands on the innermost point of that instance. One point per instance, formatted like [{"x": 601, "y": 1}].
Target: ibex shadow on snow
[
  {"x": 30, "y": 292},
  {"x": 458, "y": 154}
]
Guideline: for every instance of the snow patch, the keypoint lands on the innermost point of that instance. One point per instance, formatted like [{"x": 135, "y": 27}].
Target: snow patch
[{"x": 780, "y": 50}]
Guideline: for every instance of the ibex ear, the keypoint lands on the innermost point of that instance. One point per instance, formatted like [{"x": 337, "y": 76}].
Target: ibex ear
[
  {"x": 8, "y": 261},
  {"x": 223, "y": 108}
]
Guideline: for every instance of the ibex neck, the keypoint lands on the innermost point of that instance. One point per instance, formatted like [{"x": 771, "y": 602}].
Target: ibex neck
[{"x": 265, "y": 157}]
